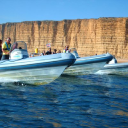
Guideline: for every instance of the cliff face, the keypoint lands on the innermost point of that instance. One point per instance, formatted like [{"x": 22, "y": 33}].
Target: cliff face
[{"x": 88, "y": 36}]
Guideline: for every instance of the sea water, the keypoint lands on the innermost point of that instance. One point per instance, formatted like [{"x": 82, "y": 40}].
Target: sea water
[{"x": 89, "y": 101}]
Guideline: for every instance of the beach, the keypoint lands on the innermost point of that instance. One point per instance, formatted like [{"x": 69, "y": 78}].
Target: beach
[{"x": 122, "y": 60}]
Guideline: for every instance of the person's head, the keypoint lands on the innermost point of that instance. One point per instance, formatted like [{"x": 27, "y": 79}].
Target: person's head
[
  {"x": 8, "y": 40},
  {"x": 66, "y": 47},
  {"x": 55, "y": 50}
]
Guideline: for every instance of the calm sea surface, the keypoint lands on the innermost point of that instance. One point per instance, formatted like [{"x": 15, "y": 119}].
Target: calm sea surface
[{"x": 90, "y": 101}]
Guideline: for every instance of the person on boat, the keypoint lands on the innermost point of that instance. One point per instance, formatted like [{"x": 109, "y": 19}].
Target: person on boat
[
  {"x": 0, "y": 49},
  {"x": 43, "y": 53},
  {"x": 15, "y": 45},
  {"x": 31, "y": 55},
  {"x": 54, "y": 51},
  {"x": 48, "y": 52},
  {"x": 59, "y": 51},
  {"x": 66, "y": 50},
  {"x": 6, "y": 49}
]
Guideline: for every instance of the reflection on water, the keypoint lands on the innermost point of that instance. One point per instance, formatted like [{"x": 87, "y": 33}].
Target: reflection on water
[{"x": 79, "y": 101}]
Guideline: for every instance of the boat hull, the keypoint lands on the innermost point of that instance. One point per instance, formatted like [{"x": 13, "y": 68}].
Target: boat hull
[
  {"x": 88, "y": 65},
  {"x": 37, "y": 70},
  {"x": 36, "y": 76},
  {"x": 84, "y": 69}
]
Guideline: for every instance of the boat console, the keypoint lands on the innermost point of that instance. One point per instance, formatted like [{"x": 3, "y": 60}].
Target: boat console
[{"x": 19, "y": 50}]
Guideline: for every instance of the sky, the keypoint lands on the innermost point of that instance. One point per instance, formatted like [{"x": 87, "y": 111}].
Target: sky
[{"x": 58, "y": 10}]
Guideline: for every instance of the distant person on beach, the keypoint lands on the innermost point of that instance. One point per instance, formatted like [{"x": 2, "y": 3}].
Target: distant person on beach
[
  {"x": 6, "y": 49},
  {"x": 0, "y": 49},
  {"x": 48, "y": 52}
]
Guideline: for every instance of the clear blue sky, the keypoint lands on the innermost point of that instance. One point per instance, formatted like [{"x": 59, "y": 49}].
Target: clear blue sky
[{"x": 57, "y": 10}]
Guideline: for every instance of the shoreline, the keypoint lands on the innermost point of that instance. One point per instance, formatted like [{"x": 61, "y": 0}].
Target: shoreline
[{"x": 122, "y": 60}]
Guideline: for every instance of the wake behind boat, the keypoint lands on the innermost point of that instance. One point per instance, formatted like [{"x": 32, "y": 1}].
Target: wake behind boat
[
  {"x": 35, "y": 70},
  {"x": 87, "y": 65}
]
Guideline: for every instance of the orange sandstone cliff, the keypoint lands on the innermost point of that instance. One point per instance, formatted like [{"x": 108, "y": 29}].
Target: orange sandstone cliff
[{"x": 88, "y": 36}]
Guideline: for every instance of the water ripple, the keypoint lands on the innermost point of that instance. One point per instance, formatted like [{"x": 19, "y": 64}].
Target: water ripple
[{"x": 69, "y": 102}]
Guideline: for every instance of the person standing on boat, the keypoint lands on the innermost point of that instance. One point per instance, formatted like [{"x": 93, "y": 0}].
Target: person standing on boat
[
  {"x": 0, "y": 49},
  {"x": 6, "y": 48},
  {"x": 66, "y": 50},
  {"x": 48, "y": 52}
]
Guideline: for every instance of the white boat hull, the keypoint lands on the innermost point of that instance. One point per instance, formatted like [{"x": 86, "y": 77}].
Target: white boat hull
[
  {"x": 39, "y": 76},
  {"x": 84, "y": 69},
  {"x": 88, "y": 65}
]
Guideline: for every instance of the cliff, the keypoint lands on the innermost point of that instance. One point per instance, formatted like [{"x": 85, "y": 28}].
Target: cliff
[{"x": 88, "y": 36}]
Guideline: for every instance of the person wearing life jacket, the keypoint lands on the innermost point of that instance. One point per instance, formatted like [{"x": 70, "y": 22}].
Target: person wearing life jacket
[
  {"x": 66, "y": 50},
  {"x": 6, "y": 48}
]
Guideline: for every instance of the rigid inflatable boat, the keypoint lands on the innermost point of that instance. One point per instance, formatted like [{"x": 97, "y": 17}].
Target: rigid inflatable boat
[
  {"x": 37, "y": 70},
  {"x": 87, "y": 65},
  {"x": 114, "y": 68}
]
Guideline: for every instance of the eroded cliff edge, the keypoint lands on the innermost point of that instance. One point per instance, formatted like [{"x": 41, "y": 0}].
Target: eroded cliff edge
[{"x": 88, "y": 36}]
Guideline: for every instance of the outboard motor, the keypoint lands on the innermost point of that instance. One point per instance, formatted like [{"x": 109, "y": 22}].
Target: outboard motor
[{"x": 19, "y": 50}]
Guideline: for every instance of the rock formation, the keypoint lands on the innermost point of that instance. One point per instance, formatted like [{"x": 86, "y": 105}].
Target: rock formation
[{"x": 88, "y": 36}]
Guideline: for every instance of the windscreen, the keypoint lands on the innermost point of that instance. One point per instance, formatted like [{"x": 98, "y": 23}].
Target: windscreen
[
  {"x": 74, "y": 52},
  {"x": 18, "y": 45}
]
